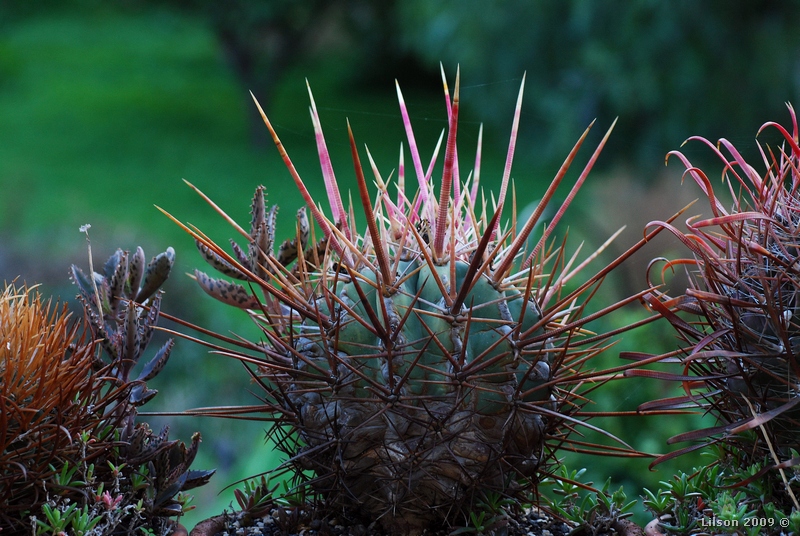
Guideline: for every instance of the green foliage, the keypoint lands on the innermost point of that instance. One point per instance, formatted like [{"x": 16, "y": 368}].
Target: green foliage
[
  {"x": 65, "y": 478},
  {"x": 56, "y": 519},
  {"x": 83, "y": 522},
  {"x": 489, "y": 513},
  {"x": 649, "y": 63},
  {"x": 663, "y": 68},
  {"x": 255, "y": 498},
  {"x": 67, "y": 519},
  {"x": 723, "y": 494},
  {"x": 583, "y": 506}
]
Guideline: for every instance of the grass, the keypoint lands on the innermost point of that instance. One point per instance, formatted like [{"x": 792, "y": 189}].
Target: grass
[
  {"x": 101, "y": 124},
  {"x": 104, "y": 112}
]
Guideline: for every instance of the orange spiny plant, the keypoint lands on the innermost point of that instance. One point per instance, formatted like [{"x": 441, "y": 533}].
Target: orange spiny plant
[{"x": 46, "y": 386}]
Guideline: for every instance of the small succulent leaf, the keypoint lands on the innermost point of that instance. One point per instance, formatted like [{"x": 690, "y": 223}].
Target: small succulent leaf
[
  {"x": 154, "y": 366},
  {"x": 287, "y": 252},
  {"x": 227, "y": 292},
  {"x": 141, "y": 395},
  {"x": 163, "y": 436},
  {"x": 264, "y": 240},
  {"x": 83, "y": 283},
  {"x": 135, "y": 273},
  {"x": 116, "y": 283},
  {"x": 171, "y": 490},
  {"x": 303, "y": 225},
  {"x": 258, "y": 211},
  {"x": 220, "y": 264},
  {"x": 189, "y": 453},
  {"x": 241, "y": 256},
  {"x": 171, "y": 465},
  {"x": 97, "y": 289},
  {"x": 105, "y": 293},
  {"x": 136, "y": 442},
  {"x": 156, "y": 273},
  {"x": 269, "y": 237},
  {"x": 136, "y": 393},
  {"x": 169, "y": 510},
  {"x": 288, "y": 249},
  {"x": 152, "y": 446},
  {"x": 129, "y": 340},
  {"x": 112, "y": 263},
  {"x": 99, "y": 331},
  {"x": 147, "y": 326},
  {"x": 116, "y": 349},
  {"x": 196, "y": 478},
  {"x": 257, "y": 258}
]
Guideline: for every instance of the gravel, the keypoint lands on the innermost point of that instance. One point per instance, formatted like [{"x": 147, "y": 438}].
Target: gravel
[{"x": 281, "y": 523}]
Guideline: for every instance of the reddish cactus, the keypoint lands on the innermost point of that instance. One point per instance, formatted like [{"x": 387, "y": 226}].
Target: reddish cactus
[{"x": 425, "y": 364}]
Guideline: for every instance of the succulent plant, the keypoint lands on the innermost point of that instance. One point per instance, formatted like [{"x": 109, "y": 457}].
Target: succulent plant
[
  {"x": 739, "y": 360},
  {"x": 114, "y": 303},
  {"x": 74, "y": 457},
  {"x": 419, "y": 368},
  {"x": 123, "y": 305}
]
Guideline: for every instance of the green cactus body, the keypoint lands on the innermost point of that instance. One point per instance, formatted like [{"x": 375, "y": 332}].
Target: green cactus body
[
  {"x": 413, "y": 362},
  {"x": 432, "y": 409}
]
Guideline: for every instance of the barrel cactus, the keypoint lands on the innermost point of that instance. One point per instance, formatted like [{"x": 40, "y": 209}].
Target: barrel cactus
[
  {"x": 420, "y": 368},
  {"x": 743, "y": 330}
]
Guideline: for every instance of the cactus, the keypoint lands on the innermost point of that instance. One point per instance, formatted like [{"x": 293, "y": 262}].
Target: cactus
[
  {"x": 45, "y": 366},
  {"x": 418, "y": 368},
  {"x": 744, "y": 326}
]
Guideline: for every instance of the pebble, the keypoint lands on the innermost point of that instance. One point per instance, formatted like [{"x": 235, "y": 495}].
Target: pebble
[{"x": 529, "y": 523}]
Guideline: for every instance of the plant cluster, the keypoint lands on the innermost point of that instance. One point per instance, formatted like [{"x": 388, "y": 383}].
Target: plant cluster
[
  {"x": 589, "y": 510},
  {"x": 726, "y": 495},
  {"x": 427, "y": 372},
  {"x": 46, "y": 364},
  {"x": 75, "y": 459}
]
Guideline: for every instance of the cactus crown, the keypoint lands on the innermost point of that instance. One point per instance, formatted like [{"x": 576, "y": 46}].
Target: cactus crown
[{"x": 417, "y": 368}]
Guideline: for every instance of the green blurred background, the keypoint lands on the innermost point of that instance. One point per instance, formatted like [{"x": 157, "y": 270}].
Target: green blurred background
[{"x": 106, "y": 106}]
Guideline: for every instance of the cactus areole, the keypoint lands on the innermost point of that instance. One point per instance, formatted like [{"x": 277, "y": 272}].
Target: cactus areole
[{"x": 417, "y": 363}]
